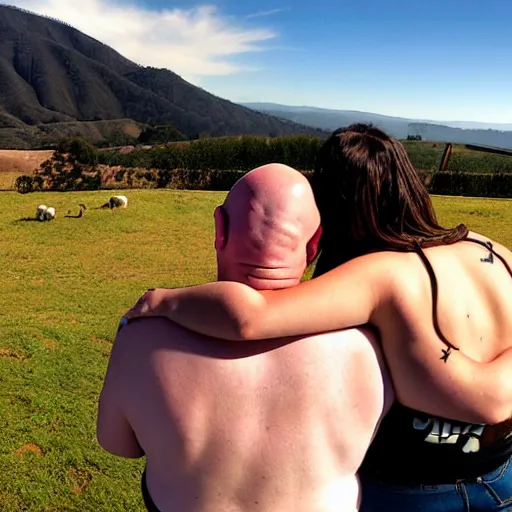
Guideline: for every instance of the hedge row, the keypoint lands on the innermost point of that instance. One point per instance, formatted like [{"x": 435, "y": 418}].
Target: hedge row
[
  {"x": 469, "y": 184},
  {"x": 222, "y": 154},
  {"x": 248, "y": 152},
  {"x": 179, "y": 179},
  {"x": 442, "y": 183}
]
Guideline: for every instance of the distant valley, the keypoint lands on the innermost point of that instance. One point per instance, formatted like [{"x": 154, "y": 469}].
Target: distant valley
[{"x": 464, "y": 132}]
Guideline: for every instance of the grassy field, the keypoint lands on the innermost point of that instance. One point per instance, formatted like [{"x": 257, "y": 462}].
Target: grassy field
[
  {"x": 64, "y": 286},
  {"x": 427, "y": 155}
]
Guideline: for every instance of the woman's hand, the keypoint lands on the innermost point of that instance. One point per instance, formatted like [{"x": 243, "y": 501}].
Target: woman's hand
[
  {"x": 342, "y": 298},
  {"x": 151, "y": 303},
  {"x": 209, "y": 309}
]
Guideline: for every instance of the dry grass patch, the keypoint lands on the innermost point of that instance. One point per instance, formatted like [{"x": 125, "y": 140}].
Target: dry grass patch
[
  {"x": 31, "y": 448},
  {"x": 21, "y": 161},
  {"x": 80, "y": 479},
  {"x": 12, "y": 354}
]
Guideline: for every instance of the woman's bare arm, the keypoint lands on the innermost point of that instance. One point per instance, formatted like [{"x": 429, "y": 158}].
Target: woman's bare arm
[
  {"x": 487, "y": 385},
  {"x": 456, "y": 387},
  {"x": 344, "y": 297}
]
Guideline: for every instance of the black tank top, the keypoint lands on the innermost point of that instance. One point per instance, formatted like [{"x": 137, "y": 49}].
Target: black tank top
[{"x": 413, "y": 448}]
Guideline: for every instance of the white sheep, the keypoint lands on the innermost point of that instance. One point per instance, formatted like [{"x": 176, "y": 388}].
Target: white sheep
[
  {"x": 49, "y": 214},
  {"x": 40, "y": 211},
  {"x": 116, "y": 202},
  {"x": 45, "y": 213}
]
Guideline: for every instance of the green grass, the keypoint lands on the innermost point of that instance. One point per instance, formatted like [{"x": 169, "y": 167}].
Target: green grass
[
  {"x": 427, "y": 156},
  {"x": 64, "y": 287}
]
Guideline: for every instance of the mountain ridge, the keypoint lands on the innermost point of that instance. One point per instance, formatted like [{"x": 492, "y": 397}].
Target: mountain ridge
[
  {"x": 51, "y": 72},
  {"x": 488, "y": 134},
  {"x": 305, "y": 108}
]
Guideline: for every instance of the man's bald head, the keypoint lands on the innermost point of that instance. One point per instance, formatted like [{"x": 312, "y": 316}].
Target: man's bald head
[{"x": 268, "y": 229}]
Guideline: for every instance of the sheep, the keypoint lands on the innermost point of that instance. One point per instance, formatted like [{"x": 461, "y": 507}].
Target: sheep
[
  {"x": 49, "y": 213},
  {"x": 40, "y": 211},
  {"x": 116, "y": 202},
  {"x": 45, "y": 213}
]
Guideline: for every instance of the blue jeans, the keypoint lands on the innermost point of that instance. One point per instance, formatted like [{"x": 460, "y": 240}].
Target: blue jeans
[{"x": 490, "y": 492}]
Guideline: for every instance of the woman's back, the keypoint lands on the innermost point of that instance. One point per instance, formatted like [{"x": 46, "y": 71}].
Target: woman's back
[
  {"x": 474, "y": 295},
  {"x": 474, "y": 300},
  {"x": 474, "y": 292}
]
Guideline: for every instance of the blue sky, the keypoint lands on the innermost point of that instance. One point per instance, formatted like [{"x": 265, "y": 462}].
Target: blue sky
[{"x": 441, "y": 60}]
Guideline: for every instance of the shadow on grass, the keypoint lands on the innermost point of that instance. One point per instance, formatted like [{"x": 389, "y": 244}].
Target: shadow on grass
[{"x": 28, "y": 219}]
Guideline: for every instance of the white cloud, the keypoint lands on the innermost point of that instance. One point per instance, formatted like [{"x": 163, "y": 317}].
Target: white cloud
[
  {"x": 193, "y": 42},
  {"x": 259, "y": 14}
]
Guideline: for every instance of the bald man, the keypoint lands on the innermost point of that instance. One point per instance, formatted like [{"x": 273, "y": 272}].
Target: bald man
[{"x": 268, "y": 426}]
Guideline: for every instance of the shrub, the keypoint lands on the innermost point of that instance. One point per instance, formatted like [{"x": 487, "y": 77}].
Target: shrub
[
  {"x": 78, "y": 150},
  {"x": 24, "y": 184}
]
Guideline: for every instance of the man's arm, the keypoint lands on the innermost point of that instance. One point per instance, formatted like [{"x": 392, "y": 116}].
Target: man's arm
[
  {"x": 114, "y": 433},
  {"x": 389, "y": 395},
  {"x": 113, "y": 430}
]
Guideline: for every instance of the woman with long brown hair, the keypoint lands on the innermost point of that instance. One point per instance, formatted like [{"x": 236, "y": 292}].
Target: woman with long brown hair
[{"x": 441, "y": 300}]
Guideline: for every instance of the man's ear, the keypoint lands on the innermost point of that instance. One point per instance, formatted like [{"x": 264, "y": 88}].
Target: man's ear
[
  {"x": 313, "y": 244},
  {"x": 221, "y": 228}
]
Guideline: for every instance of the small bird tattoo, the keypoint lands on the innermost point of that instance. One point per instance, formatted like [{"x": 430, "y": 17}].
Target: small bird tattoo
[{"x": 446, "y": 354}]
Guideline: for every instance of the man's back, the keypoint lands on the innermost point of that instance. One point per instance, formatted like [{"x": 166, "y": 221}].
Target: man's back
[{"x": 283, "y": 427}]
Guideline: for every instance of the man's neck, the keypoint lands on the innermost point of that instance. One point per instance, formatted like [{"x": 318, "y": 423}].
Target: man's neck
[{"x": 261, "y": 283}]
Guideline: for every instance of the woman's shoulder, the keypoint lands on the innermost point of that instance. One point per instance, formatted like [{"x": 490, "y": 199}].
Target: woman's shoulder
[
  {"x": 382, "y": 261},
  {"x": 385, "y": 271},
  {"x": 486, "y": 239},
  {"x": 491, "y": 245}
]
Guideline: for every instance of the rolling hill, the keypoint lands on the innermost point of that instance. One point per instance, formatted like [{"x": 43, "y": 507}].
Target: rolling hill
[{"x": 52, "y": 73}]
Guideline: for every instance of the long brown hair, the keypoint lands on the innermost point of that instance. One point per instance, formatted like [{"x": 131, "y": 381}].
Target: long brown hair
[{"x": 371, "y": 198}]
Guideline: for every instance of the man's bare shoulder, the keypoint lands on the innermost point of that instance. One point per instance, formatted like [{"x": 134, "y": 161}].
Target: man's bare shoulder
[
  {"x": 145, "y": 327},
  {"x": 141, "y": 335},
  {"x": 362, "y": 347},
  {"x": 359, "y": 337}
]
